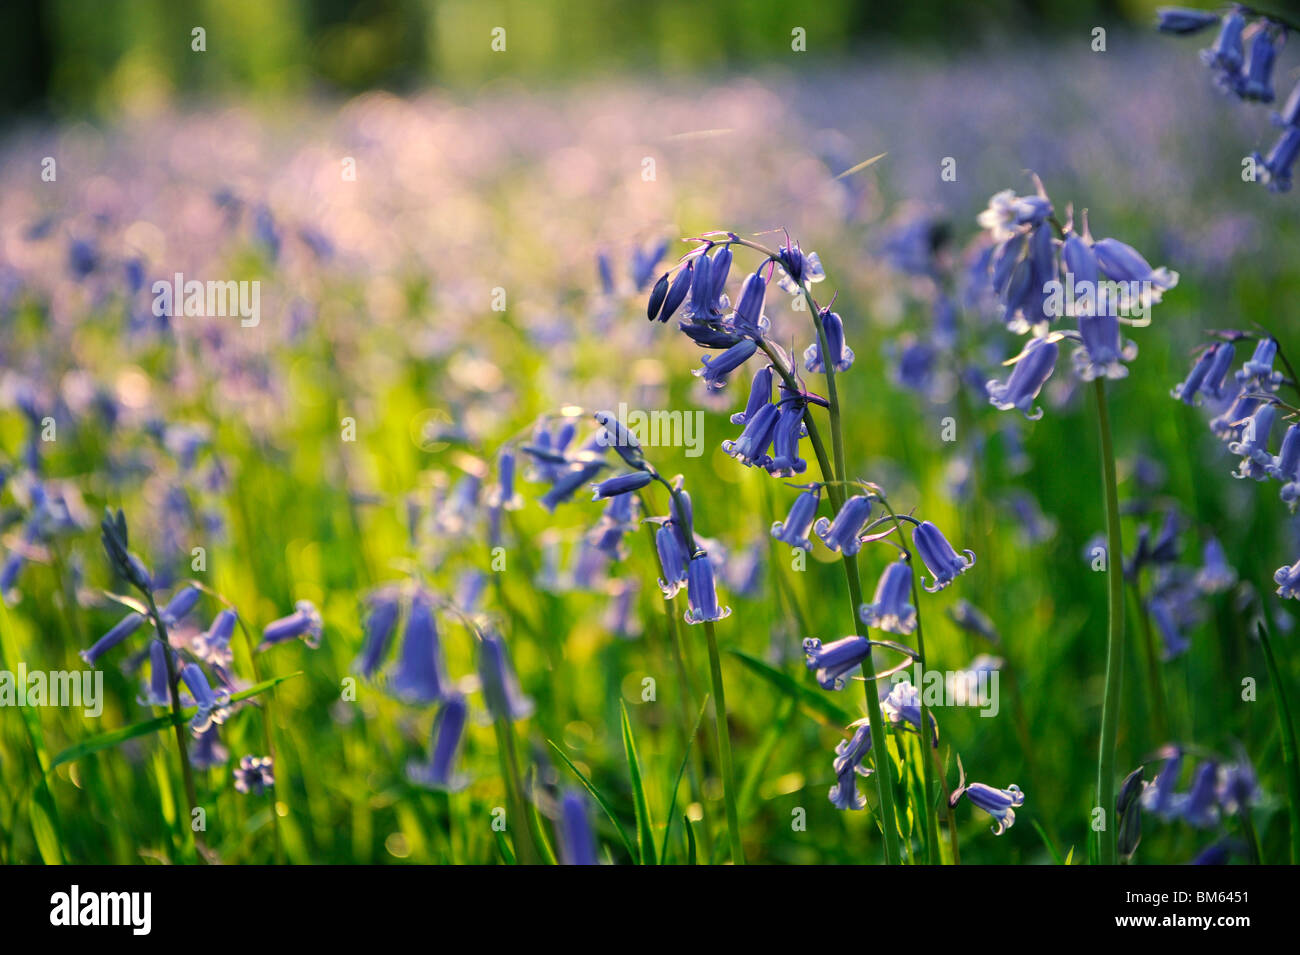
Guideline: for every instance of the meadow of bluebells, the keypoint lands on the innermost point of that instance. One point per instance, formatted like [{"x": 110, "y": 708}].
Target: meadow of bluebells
[{"x": 403, "y": 559}]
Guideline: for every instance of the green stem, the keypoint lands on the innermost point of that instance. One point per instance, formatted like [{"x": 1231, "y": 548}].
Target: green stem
[
  {"x": 1114, "y": 631},
  {"x": 724, "y": 746},
  {"x": 1290, "y": 752},
  {"x": 173, "y": 685}
]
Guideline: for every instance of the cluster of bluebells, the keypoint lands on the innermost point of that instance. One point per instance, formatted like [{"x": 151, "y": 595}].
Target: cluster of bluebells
[
  {"x": 1241, "y": 59},
  {"x": 770, "y": 440},
  {"x": 1246, "y": 413},
  {"x": 199, "y": 660},
  {"x": 1218, "y": 790},
  {"x": 1040, "y": 271}
]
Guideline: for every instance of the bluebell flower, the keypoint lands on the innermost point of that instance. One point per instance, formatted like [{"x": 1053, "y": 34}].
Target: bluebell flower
[
  {"x": 121, "y": 630},
  {"x": 503, "y": 494},
  {"x": 1174, "y": 643},
  {"x": 1026, "y": 380},
  {"x": 751, "y": 447},
  {"x": 674, "y": 294},
  {"x": 1161, "y": 797},
  {"x": 840, "y": 353},
  {"x": 305, "y": 623},
  {"x": 621, "y": 484},
  {"x": 185, "y": 600},
  {"x": 1286, "y": 466},
  {"x": 901, "y": 708},
  {"x": 799, "y": 267},
  {"x": 620, "y": 616},
  {"x": 1128, "y": 810},
  {"x": 419, "y": 676},
  {"x": 213, "y": 645},
  {"x": 704, "y": 304},
  {"x": 1104, "y": 352},
  {"x": 701, "y": 594},
  {"x": 789, "y": 428},
  {"x": 943, "y": 562},
  {"x": 1200, "y": 807},
  {"x": 505, "y": 700},
  {"x": 1238, "y": 787},
  {"x": 1287, "y": 579},
  {"x": 1227, "y": 54},
  {"x": 1189, "y": 388},
  {"x": 748, "y": 318},
  {"x": 714, "y": 370},
  {"x": 1215, "y": 575},
  {"x": 1290, "y": 113},
  {"x": 673, "y": 558},
  {"x": 1228, "y": 425},
  {"x": 1216, "y": 853},
  {"x": 1256, "y": 83},
  {"x": 1257, "y": 372},
  {"x": 760, "y": 394},
  {"x": 254, "y": 775},
  {"x": 890, "y": 609},
  {"x": 212, "y": 707},
  {"x": 577, "y": 842},
  {"x": 83, "y": 258},
  {"x": 1277, "y": 165},
  {"x": 568, "y": 483},
  {"x": 644, "y": 260},
  {"x": 440, "y": 772},
  {"x": 973, "y": 620},
  {"x": 618, "y": 517},
  {"x": 795, "y": 528},
  {"x": 1123, "y": 263},
  {"x": 832, "y": 661},
  {"x": 1001, "y": 804},
  {"x": 157, "y": 692},
  {"x": 914, "y": 364},
  {"x": 1253, "y": 445},
  {"x": 380, "y": 624},
  {"x": 208, "y": 752},
  {"x": 606, "y": 272},
  {"x": 841, "y": 534},
  {"x": 1181, "y": 20},
  {"x": 850, "y": 755}
]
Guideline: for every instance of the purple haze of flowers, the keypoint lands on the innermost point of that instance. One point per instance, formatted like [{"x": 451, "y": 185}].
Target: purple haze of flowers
[
  {"x": 254, "y": 775},
  {"x": 419, "y": 676},
  {"x": 1027, "y": 378},
  {"x": 848, "y": 765},
  {"x": 121, "y": 630},
  {"x": 578, "y": 842},
  {"x": 208, "y": 752},
  {"x": 794, "y": 530},
  {"x": 943, "y": 562},
  {"x": 505, "y": 700},
  {"x": 831, "y": 662},
  {"x": 440, "y": 772},
  {"x": 701, "y": 593},
  {"x": 1200, "y": 807},
  {"x": 889, "y": 609},
  {"x": 305, "y": 623},
  {"x": 842, "y": 533}
]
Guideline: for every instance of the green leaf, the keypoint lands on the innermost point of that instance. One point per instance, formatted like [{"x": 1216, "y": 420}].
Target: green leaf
[
  {"x": 644, "y": 827},
  {"x": 600, "y": 801},
  {"x": 691, "y": 857},
  {"x": 812, "y": 700},
  {"x": 1042, "y": 833},
  {"x": 681, "y": 771},
  {"x": 115, "y": 738}
]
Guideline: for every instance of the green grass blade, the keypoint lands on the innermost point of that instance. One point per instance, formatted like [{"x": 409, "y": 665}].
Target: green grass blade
[
  {"x": 115, "y": 738},
  {"x": 644, "y": 825},
  {"x": 1290, "y": 758},
  {"x": 1042, "y": 834},
  {"x": 601, "y": 801},
  {"x": 681, "y": 772},
  {"x": 691, "y": 855},
  {"x": 813, "y": 701}
]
